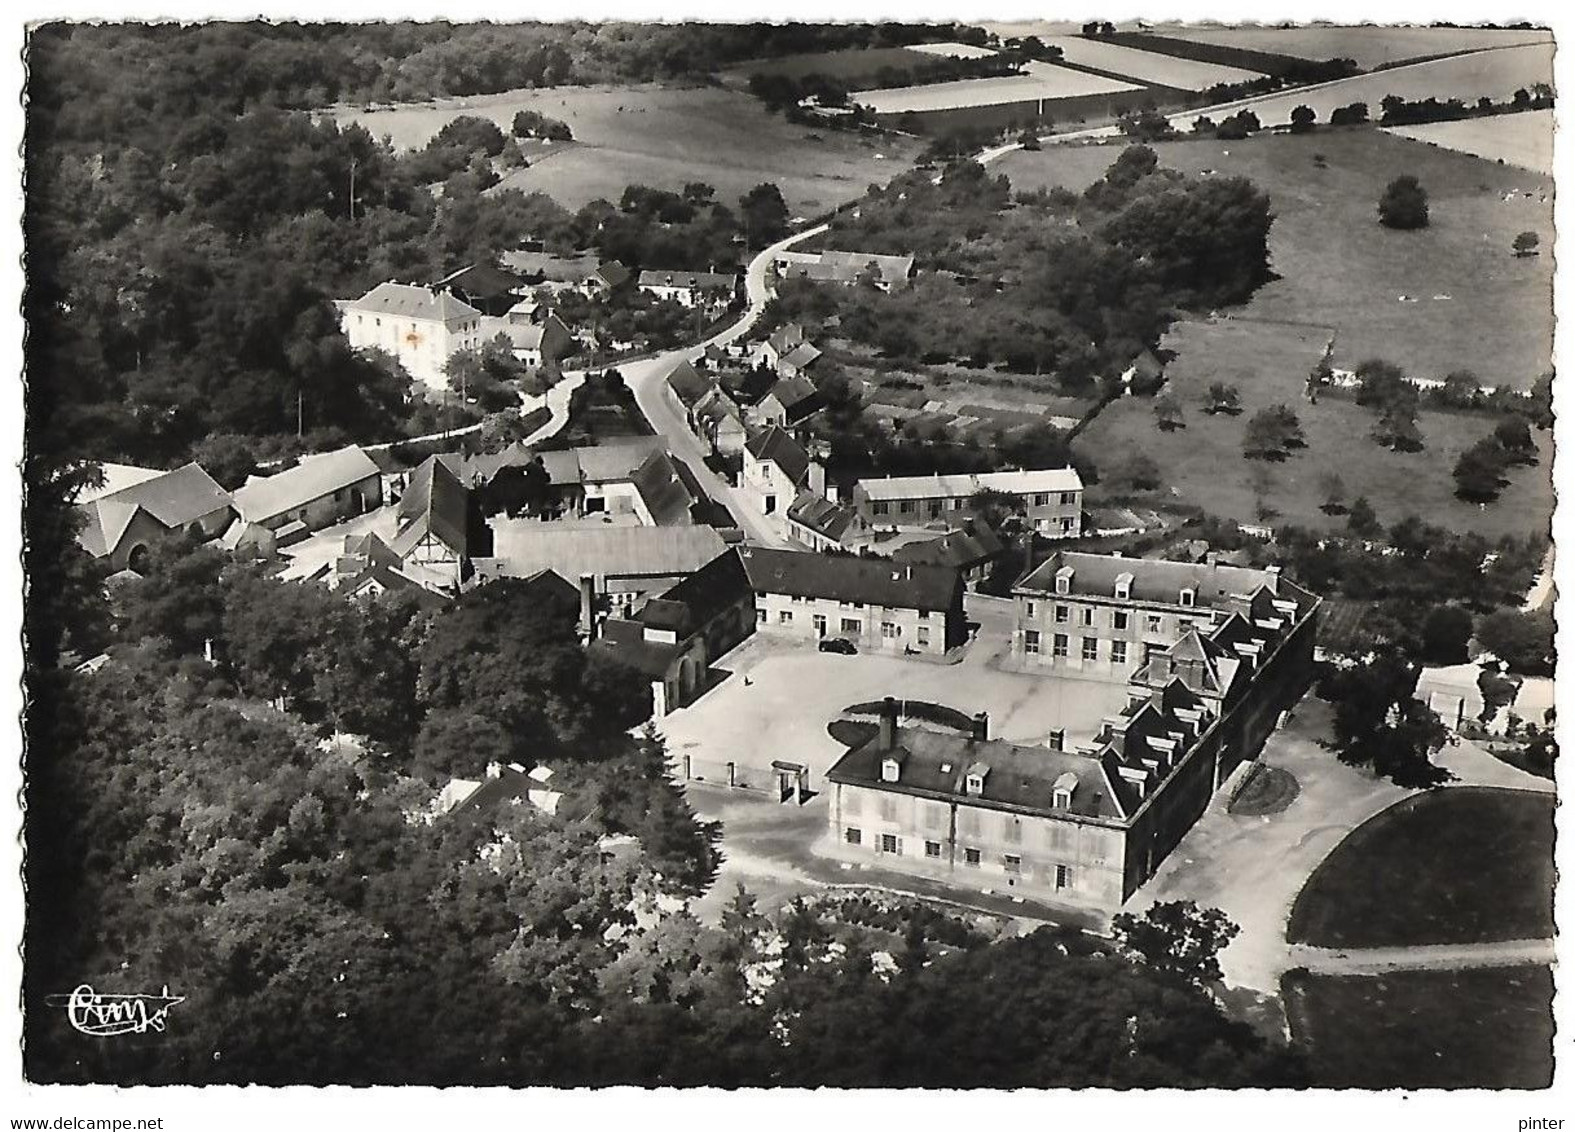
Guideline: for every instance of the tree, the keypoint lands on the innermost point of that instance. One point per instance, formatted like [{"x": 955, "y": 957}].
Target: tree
[
  {"x": 1404, "y": 204},
  {"x": 1479, "y": 472},
  {"x": 1271, "y": 433},
  {"x": 1522, "y": 640},
  {"x": 1223, "y": 398},
  {"x": 1333, "y": 489},
  {"x": 1302, "y": 119},
  {"x": 1352, "y": 115},
  {"x": 1379, "y": 722},
  {"x": 1526, "y": 244},
  {"x": 1238, "y": 126},
  {"x": 1362, "y": 520},
  {"x": 1138, "y": 472},
  {"x": 1145, "y": 123},
  {"x": 1446, "y": 632},
  {"x": 1513, "y": 435},
  {"x": 1461, "y": 389},
  {"x": 1177, "y": 939},
  {"x": 1167, "y": 413},
  {"x": 765, "y": 215},
  {"x": 1396, "y": 428},
  {"x": 179, "y": 596}
]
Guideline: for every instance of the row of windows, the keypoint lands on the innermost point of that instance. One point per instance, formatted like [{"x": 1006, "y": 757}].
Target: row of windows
[
  {"x": 360, "y": 320},
  {"x": 1057, "y": 835},
  {"x": 1060, "y": 645},
  {"x": 957, "y": 503},
  {"x": 1119, "y": 618},
  {"x": 973, "y": 857}
]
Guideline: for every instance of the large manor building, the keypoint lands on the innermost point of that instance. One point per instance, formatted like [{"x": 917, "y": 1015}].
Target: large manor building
[{"x": 1210, "y": 657}]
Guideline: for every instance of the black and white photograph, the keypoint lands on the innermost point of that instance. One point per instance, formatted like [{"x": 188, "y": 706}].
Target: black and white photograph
[{"x": 785, "y": 550}]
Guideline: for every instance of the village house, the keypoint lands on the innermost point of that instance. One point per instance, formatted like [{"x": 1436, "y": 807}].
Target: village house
[
  {"x": 676, "y": 637},
  {"x": 888, "y": 272},
  {"x": 1051, "y": 498},
  {"x": 969, "y": 549},
  {"x": 323, "y": 489},
  {"x": 1086, "y": 826},
  {"x": 689, "y": 288},
  {"x": 488, "y": 289},
  {"x": 876, "y": 604},
  {"x": 787, "y": 404},
  {"x": 776, "y": 467},
  {"x": 818, "y": 523},
  {"x": 609, "y": 276},
  {"x": 534, "y": 342},
  {"x": 435, "y": 537},
  {"x": 138, "y": 507},
  {"x": 421, "y": 327},
  {"x": 720, "y": 423},
  {"x": 631, "y": 480},
  {"x": 1104, "y": 615}
]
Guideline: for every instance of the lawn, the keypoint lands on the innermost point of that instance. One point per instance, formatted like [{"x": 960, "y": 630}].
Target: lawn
[
  {"x": 1202, "y": 463},
  {"x": 1459, "y": 865},
  {"x": 1524, "y": 140},
  {"x": 1370, "y": 46},
  {"x": 1486, "y": 1028},
  {"x": 1476, "y": 306},
  {"x": 664, "y": 137}
]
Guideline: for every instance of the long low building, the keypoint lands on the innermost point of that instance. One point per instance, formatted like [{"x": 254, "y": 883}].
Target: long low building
[
  {"x": 321, "y": 490},
  {"x": 1052, "y": 498},
  {"x": 1090, "y": 825}
]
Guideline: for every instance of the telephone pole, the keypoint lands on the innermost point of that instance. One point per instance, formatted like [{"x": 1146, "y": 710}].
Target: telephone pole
[{"x": 352, "y": 189}]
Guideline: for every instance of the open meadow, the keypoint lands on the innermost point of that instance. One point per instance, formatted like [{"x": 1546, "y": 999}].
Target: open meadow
[
  {"x": 1524, "y": 140},
  {"x": 664, "y": 137},
  {"x": 1448, "y": 297},
  {"x": 1370, "y": 47}
]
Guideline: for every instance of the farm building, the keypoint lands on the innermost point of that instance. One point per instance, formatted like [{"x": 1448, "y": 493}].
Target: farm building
[
  {"x": 321, "y": 490},
  {"x": 123, "y": 524}
]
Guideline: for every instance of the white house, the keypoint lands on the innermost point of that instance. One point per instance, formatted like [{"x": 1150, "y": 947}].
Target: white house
[{"x": 420, "y": 326}]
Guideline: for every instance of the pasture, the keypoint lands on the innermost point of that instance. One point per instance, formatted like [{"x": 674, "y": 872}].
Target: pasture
[
  {"x": 1038, "y": 81},
  {"x": 664, "y": 137},
  {"x": 1468, "y": 303},
  {"x": 1370, "y": 46},
  {"x": 1487, "y": 1028},
  {"x": 1146, "y": 66},
  {"x": 1524, "y": 140}
]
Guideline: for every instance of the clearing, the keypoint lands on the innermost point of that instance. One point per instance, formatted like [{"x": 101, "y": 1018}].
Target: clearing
[
  {"x": 1489, "y": 1028},
  {"x": 664, "y": 137},
  {"x": 1147, "y": 66},
  {"x": 1468, "y": 302},
  {"x": 1524, "y": 139},
  {"x": 1456, "y": 865},
  {"x": 1370, "y": 46}
]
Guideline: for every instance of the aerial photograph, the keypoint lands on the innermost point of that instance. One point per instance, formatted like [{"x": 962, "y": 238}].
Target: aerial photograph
[{"x": 866, "y": 555}]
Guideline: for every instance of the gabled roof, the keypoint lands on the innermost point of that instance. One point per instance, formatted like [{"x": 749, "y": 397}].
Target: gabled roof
[
  {"x": 117, "y": 477},
  {"x": 784, "y": 338},
  {"x": 406, "y": 300},
  {"x": 833, "y": 520},
  {"x": 701, "y": 597},
  {"x": 801, "y": 356},
  {"x": 687, "y": 383},
  {"x": 613, "y": 273},
  {"x": 1159, "y": 582},
  {"x": 872, "y": 581},
  {"x": 264, "y": 497},
  {"x": 774, "y": 446},
  {"x": 665, "y": 495},
  {"x": 748, "y": 386},
  {"x": 482, "y": 280},
  {"x": 690, "y": 280},
  {"x": 971, "y": 545},
  {"x": 614, "y": 461},
  {"x": 1032, "y": 482},
  {"x": 525, "y": 547},
  {"x": 792, "y": 392},
  {"x": 435, "y": 503},
  {"x": 173, "y": 499}
]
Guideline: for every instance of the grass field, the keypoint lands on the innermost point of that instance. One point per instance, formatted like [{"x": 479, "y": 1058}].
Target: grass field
[
  {"x": 1481, "y": 1028},
  {"x": 1370, "y": 47},
  {"x": 1338, "y": 267},
  {"x": 1458, "y": 865},
  {"x": 1147, "y": 66},
  {"x": 1039, "y": 80},
  {"x": 666, "y": 138},
  {"x": 1495, "y": 74},
  {"x": 1524, "y": 140}
]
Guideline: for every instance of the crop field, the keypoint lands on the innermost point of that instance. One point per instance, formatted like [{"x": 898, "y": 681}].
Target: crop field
[
  {"x": 665, "y": 138},
  {"x": 1039, "y": 80},
  {"x": 1524, "y": 140},
  {"x": 1371, "y": 47},
  {"x": 1448, "y": 297},
  {"x": 953, "y": 50},
  {"x": 1147, "y": 66},
  {"x": 1495, "y": 74}
]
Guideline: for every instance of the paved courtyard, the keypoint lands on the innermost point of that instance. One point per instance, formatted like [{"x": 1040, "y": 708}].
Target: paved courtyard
[{"x": 778, "y": 695}]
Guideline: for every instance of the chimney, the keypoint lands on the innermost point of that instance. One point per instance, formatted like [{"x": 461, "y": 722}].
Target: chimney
[
  {"x": 888, "y": 724},
  {"x": 817, "y": 477},
  {"x": 831, "y": 492},
  {"x": 588, "y": 605},
  {"x": 981, "y": 727}
]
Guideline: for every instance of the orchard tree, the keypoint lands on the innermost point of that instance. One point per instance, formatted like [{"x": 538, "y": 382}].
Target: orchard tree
[
  {"x": 1526, "y": 244},
  {"x": 1223, "y": 398},
  {"x": 1362, "y": 520},
  {"x": 1404, "y": 204},
  {"x": 1167, "y": 413},
  {"x": 1334, "y": 495},
  {"x": 1446, "y": 633},
  {"x": 1479, "y": 473}
]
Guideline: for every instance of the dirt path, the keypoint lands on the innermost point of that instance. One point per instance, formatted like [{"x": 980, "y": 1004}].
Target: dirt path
[{"x": 1433, "y": 957}]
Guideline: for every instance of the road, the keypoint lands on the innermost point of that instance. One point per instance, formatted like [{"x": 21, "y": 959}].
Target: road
[
  {"x": 647, "y": 379},
  {"x": 1441, "y": 957}
]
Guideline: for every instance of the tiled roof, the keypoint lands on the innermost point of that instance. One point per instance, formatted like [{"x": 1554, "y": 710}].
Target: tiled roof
[
  {"x": 435, "y": 503},
  {"x": 525, "y": 547},
  {"x": 665, "y": 495},
  {"x": 784, "y": 338},
  {"x": 1160, "y": 582},
  {"x": 792, "y": 391},
  {"x": 613, "y": 273},
  {"x": 692, "y": 280},
  {"x": 173, "y": 498},
  {"x": 482, "y": 280},
  {"x": 774, "y": 446},
  {"x": 624, "y": 641},
  {"x": 687, "y": 383},
  {"x": 974, "y": 543},
  {"x": 263, "y": 497},
  {"x": 406, "y": 300},
  {"x": 802, "y": 355},
  {"x": 701, "y": 597},
  {"x": 615, "y": 461},
  {"x": 961, "y": 486},
  {"x": 118, "y": 477},
  {"x": 872, "y": 581},
  {"x": 1016, "y": 778},
  {"x": 822, "y": 516}
]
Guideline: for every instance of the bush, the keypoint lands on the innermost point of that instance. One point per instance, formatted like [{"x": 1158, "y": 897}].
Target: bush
[{"x": 1404, "y": 204}]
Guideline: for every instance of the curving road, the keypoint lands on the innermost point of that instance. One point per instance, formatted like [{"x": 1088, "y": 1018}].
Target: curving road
[{"x": 647, "y": 379}]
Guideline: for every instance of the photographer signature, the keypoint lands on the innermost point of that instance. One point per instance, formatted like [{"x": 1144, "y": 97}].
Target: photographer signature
[{"x": 105, "y": 1015}]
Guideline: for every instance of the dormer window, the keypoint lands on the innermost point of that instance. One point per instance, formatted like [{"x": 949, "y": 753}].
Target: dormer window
[
  {"x": 974, "y": 784},
  {"x": 1063, "y": 580},
  {"x": 1124, "y": 587},
  {"x": 1189, "y": 597},
  {"x": 890, "y": 770},
  {"x": 1061, "y": 792}
]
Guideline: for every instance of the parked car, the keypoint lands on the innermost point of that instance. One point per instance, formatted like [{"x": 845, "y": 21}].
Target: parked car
[{"x": 839, "y": 644}]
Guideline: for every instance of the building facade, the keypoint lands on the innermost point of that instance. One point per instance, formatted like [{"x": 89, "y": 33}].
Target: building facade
[
  {"x": 1051, "y": 498},
  {"x": 421, "y": 327},
  {"x": 320, "y": 491}
]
